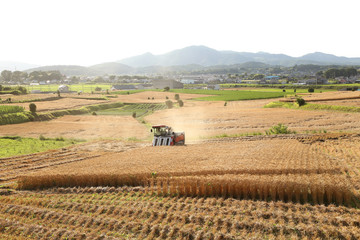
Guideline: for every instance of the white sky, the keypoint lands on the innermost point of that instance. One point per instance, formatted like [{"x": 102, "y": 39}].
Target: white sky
[{"x": 86, "y": 32}]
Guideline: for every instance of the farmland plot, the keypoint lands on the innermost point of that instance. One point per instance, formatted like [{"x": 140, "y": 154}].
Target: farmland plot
[
  {"x": 207, "y": 119},
  {"x": 117, "y": 213},
  {"x": 286, "y": 170},
  {"x": 80, "y": 127}
]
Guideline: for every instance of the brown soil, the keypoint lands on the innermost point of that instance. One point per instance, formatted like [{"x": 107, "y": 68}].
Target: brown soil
[{"x": 80, "y": 127}]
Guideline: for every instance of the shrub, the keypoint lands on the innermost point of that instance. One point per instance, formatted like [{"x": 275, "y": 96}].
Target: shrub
[
  {"x": 134, "y": 114},
  {"x": 167, "y": 97},
  {"x": 300, "y": 101},
  {"x": 177, "y": 97},
  {"x": 59, "y": 139},
  {"x": 107, "y": 91},
  {"x": 169, "y": 104},
  {"x": 279, "y": 129},
  {"x": 355, "y": 88},
  {"x": 15, "y": 92},
  {"x": 98, "y": 89},
  {"x": 58, "y": 93},
  {"x": 153, "y": 98},
  {"x": 148, "y": 98},
  {"x": 225, "y": 104},
  {"x": 42, "y": 138},
  {"x": 32, "y": 107},
  {"x": 94, "y": 113},
  {"x": 295, "y": 90},
  {"x": 311, "y": 89},
  {"x": 166, "y": 89},
  {"x": 284, "y": 90},
  {"x": 181, "y": 103}
]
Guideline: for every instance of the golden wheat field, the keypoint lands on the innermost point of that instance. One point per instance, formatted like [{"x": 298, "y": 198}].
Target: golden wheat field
[{"x": 296, "y": 186}]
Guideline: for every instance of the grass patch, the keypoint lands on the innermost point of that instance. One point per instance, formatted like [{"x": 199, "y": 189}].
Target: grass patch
[
  {"x": 15, "y": 145},
  {"x": 5, "y": 109},
  {"x": 312, "y": 106},
  {"x": 233, "y": 95},
  {"x": 141, "y": 109},
  {"x": 19, "y": 117}
]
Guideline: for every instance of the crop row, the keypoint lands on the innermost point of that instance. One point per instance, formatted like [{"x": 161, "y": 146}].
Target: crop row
[
  {"x": 140, "y": 215},
  {"x": 13, "y": 167},
  {"x": 314, "y": 188}
]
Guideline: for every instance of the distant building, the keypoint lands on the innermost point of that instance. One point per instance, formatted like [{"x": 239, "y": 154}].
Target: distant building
[
  {"x": 272, "y": 79},
  {"x": 172, "y": 84},
  {"x": 63, "y": 88}
]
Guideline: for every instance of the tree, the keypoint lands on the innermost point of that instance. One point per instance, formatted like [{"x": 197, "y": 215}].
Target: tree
[
  {"x": 6, "y": 75},
  {"x": 32, "y": 107},
  {"x": 169, "y": 104}
]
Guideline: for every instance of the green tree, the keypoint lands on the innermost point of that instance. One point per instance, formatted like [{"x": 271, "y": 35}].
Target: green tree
[
  {"x": 169, "y": 104},
  {"x": 6, "y": 75},
  {"x": 32, "y": 107}
]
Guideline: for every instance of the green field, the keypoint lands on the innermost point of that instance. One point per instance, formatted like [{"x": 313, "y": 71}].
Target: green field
[
  {"x": 227, "y": 95},
  {"x": 86, "y": 88},
  {"x": 5, "y": 109},
  {"x": 13, "y": 146},
  {"x": 312, "y": 106},
  {"x": 129, "y": 108}
]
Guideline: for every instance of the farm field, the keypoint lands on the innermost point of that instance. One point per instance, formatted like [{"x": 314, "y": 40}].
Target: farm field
[
  {"x": 63, "y": 103},
  {"x": 116, "y": 186},
  {"x": 80, "y": 127},
  {"x": 209, "y": 190},
  {"x": 208, "y": 119}
]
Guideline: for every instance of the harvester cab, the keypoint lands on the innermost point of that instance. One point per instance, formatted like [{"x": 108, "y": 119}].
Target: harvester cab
[{"x": 164, "y": 136}]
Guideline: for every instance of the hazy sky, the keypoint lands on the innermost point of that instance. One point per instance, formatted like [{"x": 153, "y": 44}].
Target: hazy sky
[{"x": 87, "y": 32}]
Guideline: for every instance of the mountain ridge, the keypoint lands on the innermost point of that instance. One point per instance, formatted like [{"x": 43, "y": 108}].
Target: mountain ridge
[{"x": 206, "y": 56}]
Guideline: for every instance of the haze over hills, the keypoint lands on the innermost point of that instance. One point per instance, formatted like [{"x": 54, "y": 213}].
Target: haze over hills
[
  {"x": 209, "y": 57},
  {"x": 15, "y": 66},
  {"x": 193, "y": 58}
]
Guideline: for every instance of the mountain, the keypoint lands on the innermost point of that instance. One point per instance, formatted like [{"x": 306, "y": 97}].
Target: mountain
[
  {"x": 112, "y": 68},
  {"x": 206, "y": 56},
  {"x": 330, "y": 59},
  {"x": 15, "y": 66},
  {"x": 69, "y": 70}
]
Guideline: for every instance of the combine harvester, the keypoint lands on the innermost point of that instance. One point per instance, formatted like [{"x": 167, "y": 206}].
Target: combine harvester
[{"x": 164, "y": 136}]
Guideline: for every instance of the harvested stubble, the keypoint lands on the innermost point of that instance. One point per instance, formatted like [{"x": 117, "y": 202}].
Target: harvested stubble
[
  {"x": 92, "y": 213},
  {"x": 313, "y": 188}
]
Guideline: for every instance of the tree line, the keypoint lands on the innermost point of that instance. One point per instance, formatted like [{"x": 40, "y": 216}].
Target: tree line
[{"x": 19, "y": 76}]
